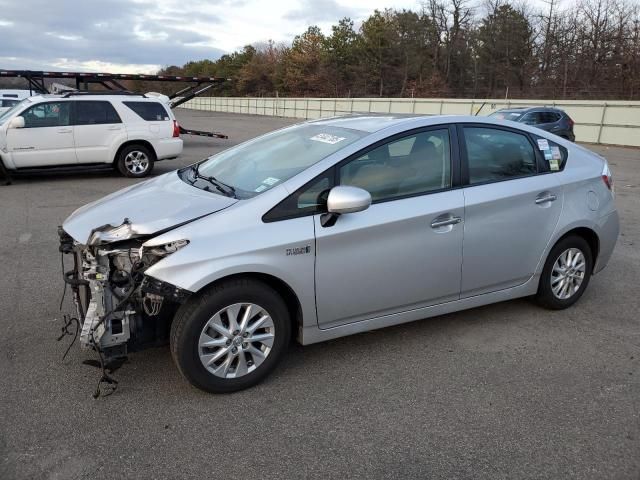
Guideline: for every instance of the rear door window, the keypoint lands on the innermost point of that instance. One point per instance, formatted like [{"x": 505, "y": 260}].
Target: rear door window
[
  {"x": 533, "y": 118},
  {"x": 89, "y": 112},
  {"x": 495, "y": 155},
  {"x": 149, "y": 111}
]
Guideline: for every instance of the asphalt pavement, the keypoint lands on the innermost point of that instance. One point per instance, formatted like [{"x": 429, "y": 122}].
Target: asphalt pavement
[{"x": 503, "y": 391}]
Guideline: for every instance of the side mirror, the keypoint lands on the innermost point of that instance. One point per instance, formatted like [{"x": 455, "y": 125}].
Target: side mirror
[
  {"x": 344, "y": 199},
  {"x": 16, "y": 122}
]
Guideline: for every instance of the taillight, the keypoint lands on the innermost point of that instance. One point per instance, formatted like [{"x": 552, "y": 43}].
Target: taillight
[
  {"x": 606, "y": 177},
  {"x": 176, "y": 129},
  {"x": 571, "y": 123}
]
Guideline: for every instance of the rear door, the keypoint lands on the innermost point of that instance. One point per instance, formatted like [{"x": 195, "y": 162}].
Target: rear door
[
  {"x": 98, "y": 128},
  {"x": 47, "y": 136},
  {"x": 512, "y": 207}
]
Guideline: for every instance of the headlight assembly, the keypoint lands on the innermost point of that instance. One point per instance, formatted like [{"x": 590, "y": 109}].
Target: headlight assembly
[{"x": 153, "y": 254}]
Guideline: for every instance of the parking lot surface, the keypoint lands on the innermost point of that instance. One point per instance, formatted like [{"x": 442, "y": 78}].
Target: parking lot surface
[{"x": 504, "y": 391}]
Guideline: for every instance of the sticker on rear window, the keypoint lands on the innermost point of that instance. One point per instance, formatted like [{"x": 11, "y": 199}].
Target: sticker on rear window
[
  {"x": 327, "y": 138},
  {"x": 543, "y": 144},
  {"x": 555, "y": 153},
  {"x": 261, "y": 188},
  {"x": 554, "y": 165}
]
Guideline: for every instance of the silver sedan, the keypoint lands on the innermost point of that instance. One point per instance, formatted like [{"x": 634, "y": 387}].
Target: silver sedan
[{"x": 334, "y": 227}]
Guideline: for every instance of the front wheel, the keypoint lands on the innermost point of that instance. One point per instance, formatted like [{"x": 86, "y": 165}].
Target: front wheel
[
  {"x": 566, "y": 273},
  {"x": 231, "y": 336},
  {"x": 135, "y": 161}
]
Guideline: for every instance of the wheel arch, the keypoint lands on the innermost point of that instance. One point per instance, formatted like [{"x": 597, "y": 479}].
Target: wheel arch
[
  {"x": 589, "y": 235},
  {"x": 280, "y": 286},
  {"x": 144, "y": 143}
]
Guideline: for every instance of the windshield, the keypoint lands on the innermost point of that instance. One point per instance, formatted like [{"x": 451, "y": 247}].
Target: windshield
[
  {"x": 16, "y": 107},
  {"x": 511, "y": 116},
  {"x": 267, "y": 161}
]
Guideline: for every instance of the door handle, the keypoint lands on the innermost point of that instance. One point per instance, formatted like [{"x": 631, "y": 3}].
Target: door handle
[
  {"x": 64, "y": 130},
  {"x": 546, "y": 198},
  {"x": 114, "y": 128},
  {"x": 444, "y": 222}
]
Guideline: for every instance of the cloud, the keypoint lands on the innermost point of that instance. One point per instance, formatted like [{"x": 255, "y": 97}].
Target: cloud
[
  {"x": 321, "y": 11},
  {"x": 117, "y": 33}
]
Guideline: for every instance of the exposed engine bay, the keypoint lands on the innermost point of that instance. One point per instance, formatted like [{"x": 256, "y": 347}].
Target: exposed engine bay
[{"x": 119, "y": 308}]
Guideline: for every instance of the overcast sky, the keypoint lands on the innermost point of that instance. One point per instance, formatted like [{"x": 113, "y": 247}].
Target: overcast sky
[{"x": 143, "y": 35}]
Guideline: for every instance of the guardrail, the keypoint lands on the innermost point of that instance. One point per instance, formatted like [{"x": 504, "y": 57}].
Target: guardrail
[{"x": 610, "y": 122}]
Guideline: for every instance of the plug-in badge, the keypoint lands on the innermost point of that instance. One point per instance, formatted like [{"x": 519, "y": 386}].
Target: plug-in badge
[{"x": 298, "y": 250}]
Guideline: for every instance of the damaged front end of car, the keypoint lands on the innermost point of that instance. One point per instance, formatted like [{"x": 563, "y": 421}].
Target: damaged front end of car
[{"x": 120, "y": 309}]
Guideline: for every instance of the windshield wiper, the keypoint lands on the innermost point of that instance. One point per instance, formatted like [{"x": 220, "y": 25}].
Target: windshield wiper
[{"x": 222, "y": 187}]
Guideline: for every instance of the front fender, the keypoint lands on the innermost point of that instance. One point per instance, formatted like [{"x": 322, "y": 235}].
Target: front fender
[{"x": 223, "y": 244}]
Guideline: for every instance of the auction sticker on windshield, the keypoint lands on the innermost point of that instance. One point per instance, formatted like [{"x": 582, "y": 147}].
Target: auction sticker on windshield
[{"x": 327, "y": 138}]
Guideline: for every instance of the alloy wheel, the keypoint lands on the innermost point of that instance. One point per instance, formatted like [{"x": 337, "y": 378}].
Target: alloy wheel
[
  {"x": 236, "y": 340},
  {"x": 136, "y": 162},
  {"x": 568, "y": 273}
]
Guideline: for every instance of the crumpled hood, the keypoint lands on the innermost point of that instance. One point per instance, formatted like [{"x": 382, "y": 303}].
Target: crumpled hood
[{"x": 152, "y": 206}]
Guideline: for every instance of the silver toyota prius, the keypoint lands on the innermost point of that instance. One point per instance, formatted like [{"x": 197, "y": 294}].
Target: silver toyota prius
[{"x": 334, "y": 227}]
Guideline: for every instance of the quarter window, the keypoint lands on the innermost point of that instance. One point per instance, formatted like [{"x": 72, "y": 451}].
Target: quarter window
[
  {"x": 307, "y": 200},
  {"x": 495, "y": 155},
  {"x": 550, "y": 117},
  {"x": 149, "y": 111},
  {"x": 95, "y": 113},
  {"x": 555, "y": 157},
  {"x": 412, "y": 165},
  {"x": 52, "y": 114}
]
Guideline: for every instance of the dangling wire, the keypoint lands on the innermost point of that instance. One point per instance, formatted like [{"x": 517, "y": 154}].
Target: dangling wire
[
  {"x": 68, "y": 321},
  {"x": 64, "y": 291}
]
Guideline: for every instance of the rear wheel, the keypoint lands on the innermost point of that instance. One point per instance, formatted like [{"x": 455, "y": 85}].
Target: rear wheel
[
  {"x": 566, "y": 273},
  {"x": 135, "y": 161},
  {"x": 231, "y": 336}
]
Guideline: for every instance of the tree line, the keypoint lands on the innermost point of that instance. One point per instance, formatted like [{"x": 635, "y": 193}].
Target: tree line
[{"x": 450, "y": 48}]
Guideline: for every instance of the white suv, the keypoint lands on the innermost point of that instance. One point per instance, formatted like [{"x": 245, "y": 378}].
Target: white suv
[{"x": 129, "y": 131}]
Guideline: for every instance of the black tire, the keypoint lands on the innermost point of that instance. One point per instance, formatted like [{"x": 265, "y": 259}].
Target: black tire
[
  {"x": 545, "y": 296},
  {"x": 192, "y": 316},
  {"x": 145, "y": 153}
]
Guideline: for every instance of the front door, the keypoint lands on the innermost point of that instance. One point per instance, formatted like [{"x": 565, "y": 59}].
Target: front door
[
  {"x": 405, "y": 251},
  {"x": 46, "y": 139},
  {"x": 511, "y": 210}
]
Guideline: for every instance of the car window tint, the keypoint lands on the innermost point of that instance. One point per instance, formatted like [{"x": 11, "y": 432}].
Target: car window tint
[
  {"x": 498, "y": 154},
  {"x": 8, "y": 103},
  {"x": 149, "y": 111},
  {"x": 534, "y": 118},
  {"x": 52, "y": 114},
  {"x": 392, "y": 170},
  {"x": 95, "y": 113}
]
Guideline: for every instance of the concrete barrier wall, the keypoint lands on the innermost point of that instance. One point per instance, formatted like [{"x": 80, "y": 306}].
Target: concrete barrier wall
[{"x": 611, "y": 122}]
